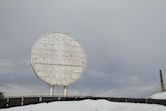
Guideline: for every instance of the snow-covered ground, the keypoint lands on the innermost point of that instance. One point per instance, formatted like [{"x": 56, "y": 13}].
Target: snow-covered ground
[
  {"x": 92, "y": 105},
  {"x": 88, "y": 105},
  {"x": 159, "y": 96}
]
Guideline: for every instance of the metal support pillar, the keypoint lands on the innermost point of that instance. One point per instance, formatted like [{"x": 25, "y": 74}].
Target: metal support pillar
[
  {"x": 162, "y": 82},
  {"x": 51, "y": 90},
  {"x": 65, "y": 91}
]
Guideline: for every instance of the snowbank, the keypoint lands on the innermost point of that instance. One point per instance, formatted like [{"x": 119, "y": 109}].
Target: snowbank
[
  {"x": 159, "y": 96},
  {"x": 88, "y": 105}
]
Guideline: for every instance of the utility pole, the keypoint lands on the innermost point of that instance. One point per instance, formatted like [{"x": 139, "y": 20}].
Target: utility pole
[{"x": 161, "y": 81}]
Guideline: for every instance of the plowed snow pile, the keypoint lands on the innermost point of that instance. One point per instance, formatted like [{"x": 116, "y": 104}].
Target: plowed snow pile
[{"x": 88, "y": 105}]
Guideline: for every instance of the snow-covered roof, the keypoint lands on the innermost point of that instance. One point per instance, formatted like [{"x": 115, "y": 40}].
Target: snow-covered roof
[{"x": 161, "y": 95}]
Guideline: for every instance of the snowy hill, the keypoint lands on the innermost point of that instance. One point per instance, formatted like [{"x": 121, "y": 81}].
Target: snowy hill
[
  {"x": 159, "y": 96},
  {"x": 88, "y": 105}
]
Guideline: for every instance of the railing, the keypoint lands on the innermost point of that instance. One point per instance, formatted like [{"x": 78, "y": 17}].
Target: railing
[{"x": 21, "y": 101}]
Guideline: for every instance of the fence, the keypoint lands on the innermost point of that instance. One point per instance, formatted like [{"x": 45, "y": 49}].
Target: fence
[{"x": 21, "y": 101}]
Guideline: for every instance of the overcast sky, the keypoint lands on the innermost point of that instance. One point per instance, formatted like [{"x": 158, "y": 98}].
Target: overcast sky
[{"x": 125, "y": 43}]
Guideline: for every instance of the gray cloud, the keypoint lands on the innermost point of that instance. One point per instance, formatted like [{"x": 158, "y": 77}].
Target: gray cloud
[{"x": 124, "y": 42}]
